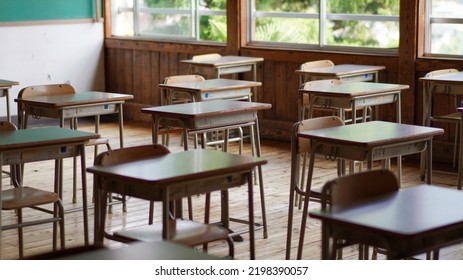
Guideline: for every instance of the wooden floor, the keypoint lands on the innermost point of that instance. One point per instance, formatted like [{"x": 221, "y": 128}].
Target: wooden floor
[{"x": 276, "y": 179}]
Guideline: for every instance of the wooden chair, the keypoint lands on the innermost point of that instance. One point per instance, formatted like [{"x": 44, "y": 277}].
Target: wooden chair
[
  {"x": 349, "y": 189},
  {"x": 206, "y": 72},
  {"x": 187, "y": 232},
  {"x": 60, "y": 89},
  {"x": 452, "y": 118},
  {"x": 300, "y": 148},
  {"x": 20, "y": 197}
]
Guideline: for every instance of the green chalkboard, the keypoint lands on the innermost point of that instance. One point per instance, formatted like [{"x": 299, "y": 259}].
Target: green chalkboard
[{"x": 45, "y": 10}]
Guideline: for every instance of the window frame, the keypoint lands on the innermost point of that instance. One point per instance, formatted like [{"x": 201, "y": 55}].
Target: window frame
[
  {"x": 195, "y": 14},
  {"x": 322, "y": 16},
  {"x": 427, "y": 38}
]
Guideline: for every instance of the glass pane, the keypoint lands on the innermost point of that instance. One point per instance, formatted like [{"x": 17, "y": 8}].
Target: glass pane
[
  {"x": 171, "y": 4},
  {"x": 307, "y": 6},
  {"x": 447, "y": 8},
  {"x": 122, "y": 19},
  {"x": 368, "y": 7},
  {"x": 165, "y": 24},
  {"x": 287, "y": 30},
  {"x": 447, "y": 39},
  {"x": 213, "y": 28},
  {"x": 374, "y": 34}
]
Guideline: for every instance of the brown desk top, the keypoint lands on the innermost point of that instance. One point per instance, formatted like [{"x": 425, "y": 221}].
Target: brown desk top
[
  {"x": 7, "y": 83},
  {"x": 81, "y": 98},
  {"x": 452, "y": 78},
  {"x": 179, "y": 167},
  {"x": 43, "y": 136},
  {"x": 341, "y": 70},
  {"x": 354, "y": 89},
  {"x": 371, "y": 134},
  {"x": 405, "y": 213},
  {"x": 206, "y": 108},
  {"x": 211, "y": 85},
  {"x": 227, "y": 60}
]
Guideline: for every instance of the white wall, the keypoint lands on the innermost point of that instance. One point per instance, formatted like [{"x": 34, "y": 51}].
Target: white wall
[{"x": 48, "y": 54}]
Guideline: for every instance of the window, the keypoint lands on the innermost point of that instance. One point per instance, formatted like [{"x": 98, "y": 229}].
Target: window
[
  {"x": 444, "y": 27},
  {"x": 326, "y": 24},
  {"x": 201, "y": 20}
]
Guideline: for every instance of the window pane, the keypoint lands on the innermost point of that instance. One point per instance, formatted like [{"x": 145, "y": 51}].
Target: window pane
[
  {"x": 213, "y": 28},
  {"x": 286, "y": 21},
  {"x": 447, "y": 8},
  {"x": 122, "y": 18},
  {"x": 372, "y": 34},
  {"x": 447, "y": 39},
  {"x": 369, "y": 7}
]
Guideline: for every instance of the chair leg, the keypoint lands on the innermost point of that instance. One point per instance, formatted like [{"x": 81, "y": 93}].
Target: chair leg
[{"x": 20, "y": 234}]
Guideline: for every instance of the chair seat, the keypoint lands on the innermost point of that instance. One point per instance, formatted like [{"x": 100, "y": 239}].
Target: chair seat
[
  {"x": 455, "y": 117},
  {"x": 99, "y": 141},
  {"x": 21, "y": 197},
  {"x": 186, "y": 232}
]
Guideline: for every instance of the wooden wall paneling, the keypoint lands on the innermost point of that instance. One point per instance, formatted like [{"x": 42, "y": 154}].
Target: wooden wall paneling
[
  {"x": 155, "y": 79},
  {"x": 127, "y": 72}
]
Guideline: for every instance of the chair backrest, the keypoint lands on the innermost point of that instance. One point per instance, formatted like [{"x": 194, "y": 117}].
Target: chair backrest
[
  {"x": 440, "y": 72},
  {"x": 128, "y": 154},
  {"x": 346, "y": 190},
  {"x": 173, "y": 96},
  {"x": 40, "y": 90},
  {"x": 205, "y": 57},
  {"x": 7, "y": 126},
  {"x": 301, "y": 145},
  {"x": 316, "y": 64},
  {"x": 183, "y": 78}
]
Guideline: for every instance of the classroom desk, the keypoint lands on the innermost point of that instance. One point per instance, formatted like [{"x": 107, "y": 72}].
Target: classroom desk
[
  {"x": 446, "y": 84},
  {"x": 345, "y": 72},
  {"x": 5, "y": 86},
  {"x": 50, "y": 143},
  {"x": 212, "y": 116},
  {"x": 352, "y": 95},
  {"x": 212, "y": 89},
  {"x": 228, "y": 64},
  {"x": 156, "y": 250},
  {"x": 368, "y": 141},
  {"x": 73, "y": 106},
  {"x": 174, "y": 176},
  {"x": 408, "y": 222}
]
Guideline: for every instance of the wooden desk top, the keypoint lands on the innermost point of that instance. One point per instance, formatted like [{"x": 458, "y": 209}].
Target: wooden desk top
[
  {"x": 405, "y": 213},
  {"x": 42, "y": 136},
  {"x": 371, "y": 134},
  {"x": 227, "y": 60},
  {"x": 354, "y": 89},
  {"x": 452, "y": 78},
  {"x": 206, "y": 108},
  {"x": 172, "y": 168},
  {"x": 211, "y": 85},
  {"x": 81, "y": 98},
  {"x": 342, "y": 70},
  {"x": 6, "y": 83},
  {"x": 159, "y": 250}
]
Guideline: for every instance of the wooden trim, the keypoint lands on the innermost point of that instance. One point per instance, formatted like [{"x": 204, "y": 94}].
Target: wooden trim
[
  {"x": 48, "y": 22},
  {"x": 107, "y": 14}
]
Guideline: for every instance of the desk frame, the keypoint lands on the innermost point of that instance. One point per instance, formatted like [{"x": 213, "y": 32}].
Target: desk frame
[
  {"x": 74, "y": 106},
  {"x": 199, "y": 180},
  {"x": 211, "y": 116},
  {"x": 352, "y": 95},
  {"x": 45, "y": 147},
  {"x": 5, "y": 86},
  {"x": 345, "y": 72},
  {"x": 400, "y": 241},
  {"x": 352, "y": 147}
]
